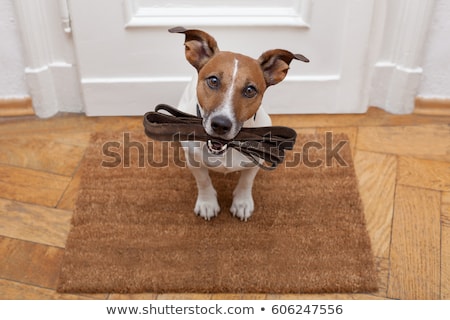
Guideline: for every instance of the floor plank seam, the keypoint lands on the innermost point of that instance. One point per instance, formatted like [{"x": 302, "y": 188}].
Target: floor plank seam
[
  {"x": 440, "y": 258},
  {"x": 27, "y": 284},
  {"x": 418, "y": 187},
  {"x": 31, "y": 203},
  {"x": 388, "y": 282},
  {"x": 32, "y": 169},
  {"x": 71, "y": 180},
  {"x": 33, "y": 242}
]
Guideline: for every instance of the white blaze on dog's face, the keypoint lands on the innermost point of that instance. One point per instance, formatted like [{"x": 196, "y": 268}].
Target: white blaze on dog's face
[{"x": 230, "y": 85}]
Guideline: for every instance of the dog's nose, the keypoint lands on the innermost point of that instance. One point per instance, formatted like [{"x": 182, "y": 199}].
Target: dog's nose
[{"x": 221, "y": 125}]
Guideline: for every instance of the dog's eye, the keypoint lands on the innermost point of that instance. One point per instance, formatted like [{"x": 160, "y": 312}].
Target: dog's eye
[
  {"x": 213, "y": 82},
  {"x": 250, "y": 91}
]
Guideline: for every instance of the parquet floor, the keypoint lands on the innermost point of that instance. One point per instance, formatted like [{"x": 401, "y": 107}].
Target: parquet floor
[{"x": 402, "y": 163}]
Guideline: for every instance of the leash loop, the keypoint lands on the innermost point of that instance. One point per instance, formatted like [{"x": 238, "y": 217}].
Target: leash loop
[{"x": 264, "y": 146}]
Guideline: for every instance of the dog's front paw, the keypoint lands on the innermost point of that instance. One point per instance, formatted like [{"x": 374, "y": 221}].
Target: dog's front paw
[
  {"x": 242, "y": 206},
  {"x": 207, "y": 208}
]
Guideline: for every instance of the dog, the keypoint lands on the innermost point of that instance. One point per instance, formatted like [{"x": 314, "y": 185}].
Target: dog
[{"x": 226, "y": 92}]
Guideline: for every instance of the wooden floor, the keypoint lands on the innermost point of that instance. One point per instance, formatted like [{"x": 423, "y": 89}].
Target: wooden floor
[{"x": 402, "y": 163}]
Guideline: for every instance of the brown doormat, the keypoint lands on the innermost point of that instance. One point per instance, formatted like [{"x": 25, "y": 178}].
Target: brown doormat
[{"x": 134, "y": 229}]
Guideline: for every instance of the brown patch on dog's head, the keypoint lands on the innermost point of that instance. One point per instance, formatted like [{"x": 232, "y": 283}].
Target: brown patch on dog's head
[
  {"x": 199, "y": 46},
  {"x": 275, "y": 64}
]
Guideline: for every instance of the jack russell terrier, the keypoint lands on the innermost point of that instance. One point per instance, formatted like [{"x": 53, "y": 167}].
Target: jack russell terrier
[{"x": 226, "y": 92}]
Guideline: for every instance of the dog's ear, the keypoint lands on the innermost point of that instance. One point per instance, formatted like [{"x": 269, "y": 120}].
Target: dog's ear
[
  {"x": 199, "y": 46},
  {"x": 275, "y": 64}
]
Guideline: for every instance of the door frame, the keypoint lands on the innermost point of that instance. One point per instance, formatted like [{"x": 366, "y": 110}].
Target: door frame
[
  {"x": 50, "y": 63},
  {"x": 391, "y": 75}
]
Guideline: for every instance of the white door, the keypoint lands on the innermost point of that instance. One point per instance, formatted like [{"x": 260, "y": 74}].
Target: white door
[{"x": 128, "y": 62}]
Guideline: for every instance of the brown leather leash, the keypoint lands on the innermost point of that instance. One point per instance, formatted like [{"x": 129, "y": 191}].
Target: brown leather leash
[{"x": 266, "y": 143}]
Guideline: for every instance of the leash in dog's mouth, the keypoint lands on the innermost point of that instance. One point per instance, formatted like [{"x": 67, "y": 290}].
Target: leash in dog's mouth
[{"x": 263, "y": 145}]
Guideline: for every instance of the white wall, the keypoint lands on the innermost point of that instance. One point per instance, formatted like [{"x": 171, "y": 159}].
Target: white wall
[
  {"x": 12, "y": 74},
  {"x": 436, "y": 77}
]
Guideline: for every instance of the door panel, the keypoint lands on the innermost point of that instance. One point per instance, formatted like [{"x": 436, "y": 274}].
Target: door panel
[{"x": 128, "y": 62}]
